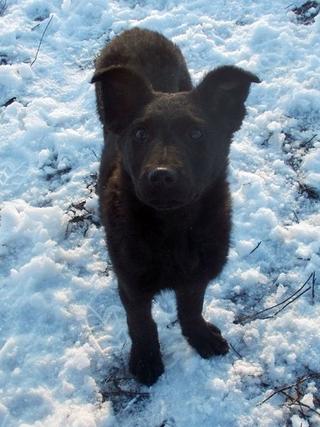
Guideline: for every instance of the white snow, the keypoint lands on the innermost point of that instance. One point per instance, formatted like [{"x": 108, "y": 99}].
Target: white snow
[{"x": 63, "y": 338}]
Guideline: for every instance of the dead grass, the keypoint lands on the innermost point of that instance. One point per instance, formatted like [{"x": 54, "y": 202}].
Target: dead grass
[{"x": 307, "y": 12}]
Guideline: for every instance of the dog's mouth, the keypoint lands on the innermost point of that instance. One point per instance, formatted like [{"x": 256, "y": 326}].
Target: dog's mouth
[
  {"x": 166, "y": 202},
  {"x": 167, "y": 205}
]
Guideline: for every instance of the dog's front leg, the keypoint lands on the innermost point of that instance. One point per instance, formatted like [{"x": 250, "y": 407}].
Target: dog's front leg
[
  {"x": 145, "y": 357},
  {"x": 203, "y": 336}
]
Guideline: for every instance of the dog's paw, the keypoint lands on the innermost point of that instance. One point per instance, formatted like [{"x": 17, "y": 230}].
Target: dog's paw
[
  {"x": 207, "y": 340},
  {"x": 145, "y": 366}
]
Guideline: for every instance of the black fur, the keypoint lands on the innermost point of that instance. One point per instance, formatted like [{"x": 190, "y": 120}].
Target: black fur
[{"x": 164, "y": 198}]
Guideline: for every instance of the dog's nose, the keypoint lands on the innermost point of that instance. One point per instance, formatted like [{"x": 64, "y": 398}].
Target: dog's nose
[{"x": 163, "y": 176}]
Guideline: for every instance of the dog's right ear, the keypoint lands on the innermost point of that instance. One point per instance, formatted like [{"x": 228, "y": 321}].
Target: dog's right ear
[{"x": 121, "y": 94}]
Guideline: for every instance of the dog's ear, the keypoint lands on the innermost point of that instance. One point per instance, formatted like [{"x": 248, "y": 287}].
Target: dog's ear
[
  {"x": 224, "y": 90},
  {"x": 121, "y": 94}
]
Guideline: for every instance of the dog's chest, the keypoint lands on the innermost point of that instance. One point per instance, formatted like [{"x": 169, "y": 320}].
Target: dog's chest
[{"x": 175, "y": 255}]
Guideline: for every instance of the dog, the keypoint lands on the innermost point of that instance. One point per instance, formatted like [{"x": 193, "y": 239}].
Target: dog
[{"x": 163, "y": 194}]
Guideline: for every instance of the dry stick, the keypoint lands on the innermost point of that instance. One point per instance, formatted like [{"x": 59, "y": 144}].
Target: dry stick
[
  {"x": 278, "y": 390},
  {"x": 286, "y": 305},
  {"x": 311, "y": 139},
  {"x": 291, "y": 4},
  {"x": 297, "y": 402},
  {"x": 254, "y": 249},
  {"x": 253, "y": 316},
  {"x": 35, "y": 58},
  {"x": 236, "y": 351},
  {"x": 121, "y": 392},
  {"x": 294, "y": 402},
  {"x": 287, "y": 299},
  {"x": 287, "y": 387},
  {"x": 94, "y": 153},
  {"x": 291, "y": 401},
  {"x": 313, "y": 287},
  {"x": 3, "y": 6},
  {"x": 296, "y": 216}
]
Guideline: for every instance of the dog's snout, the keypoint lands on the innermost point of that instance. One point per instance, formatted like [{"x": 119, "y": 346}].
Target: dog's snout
[
  {"x": 163, "y": 176},
  {"x": 164, "y": 187}
]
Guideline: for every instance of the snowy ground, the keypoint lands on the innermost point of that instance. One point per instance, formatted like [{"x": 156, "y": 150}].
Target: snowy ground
[{"x": 63, "y": 339}]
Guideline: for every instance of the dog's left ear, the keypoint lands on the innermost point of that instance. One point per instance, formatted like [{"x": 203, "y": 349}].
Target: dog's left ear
[{"x": 225, "y": 90}]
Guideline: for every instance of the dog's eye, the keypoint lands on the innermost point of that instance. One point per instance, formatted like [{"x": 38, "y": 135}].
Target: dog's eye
[
  {"x": 196, "y": 134},
  {"x": 141, "y": 135}
]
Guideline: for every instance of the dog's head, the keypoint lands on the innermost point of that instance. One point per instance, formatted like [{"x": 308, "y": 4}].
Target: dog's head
[{"x": 173, "y": 145}]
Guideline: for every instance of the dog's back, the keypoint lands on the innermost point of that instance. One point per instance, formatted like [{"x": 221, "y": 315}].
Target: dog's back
[{"x": 152, "y": 56}]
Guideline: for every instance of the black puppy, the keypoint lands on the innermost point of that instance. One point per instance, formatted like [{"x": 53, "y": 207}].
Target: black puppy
[{"x": 164, "y": 198}]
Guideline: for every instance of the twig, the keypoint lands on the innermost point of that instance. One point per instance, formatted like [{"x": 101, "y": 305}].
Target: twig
[
  {"x": 287, "y": 387},
  {"x": 310, "y": 192},
  {"x": 291, "y": 4},
  {"x": 288, "y": 301},
  {"x": 3, "y": 6},
  {"x": 94, "y": 153},
  {"x": 298, "y": 402},
  {"x": 236, "y": 351},
  {"x": 128, "y": 406},
  {"x": 9, "y": 102},
  {"x": 44, "y": 32},
  {"x": 294, "y": 401},
  {"x": 121, "y": 391},
  {"x": 276, "y": 391},
  {"x": 311, "y": 139},
  {"x": 313, "y": 287},
  {"x": 255, "y": 247},
  {"x": 296, "y": 216}
]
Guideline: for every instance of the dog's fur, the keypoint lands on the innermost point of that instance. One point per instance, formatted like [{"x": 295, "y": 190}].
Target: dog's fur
[{"x": 164, "y": 198}]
